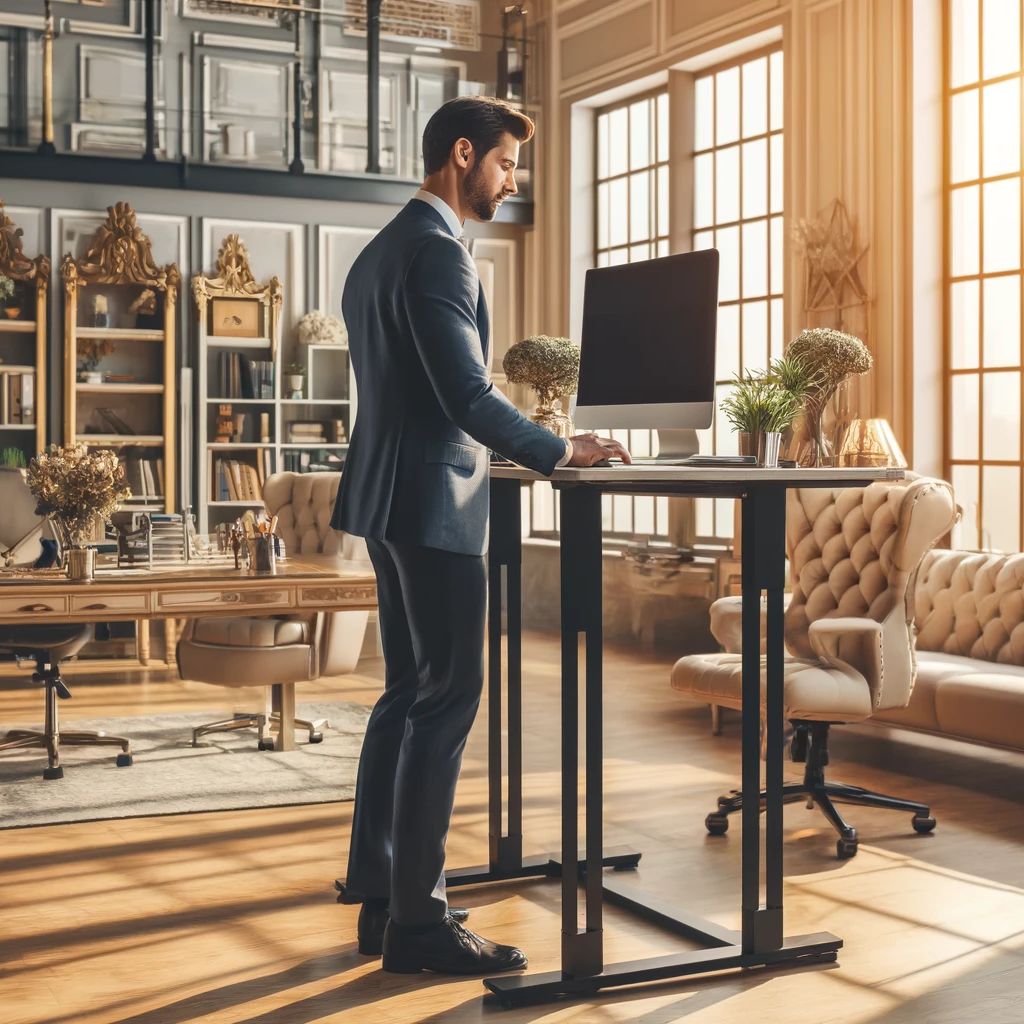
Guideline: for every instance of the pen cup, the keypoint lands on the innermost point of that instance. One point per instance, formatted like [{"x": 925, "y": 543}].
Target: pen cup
[{"x": 261, "y": 553}]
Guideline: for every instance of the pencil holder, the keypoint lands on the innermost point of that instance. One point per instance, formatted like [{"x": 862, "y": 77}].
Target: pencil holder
[{"x": 261, "y": 553}]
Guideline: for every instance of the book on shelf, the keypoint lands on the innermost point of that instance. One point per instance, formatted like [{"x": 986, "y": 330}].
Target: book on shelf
[
  {"x": 17, "y": 398},
  {"x": 242, "y": 377},
  {"x": 312, "y": 461},
  {"x": 145, "y": 476},
  {"x": 235, "y": 480}
]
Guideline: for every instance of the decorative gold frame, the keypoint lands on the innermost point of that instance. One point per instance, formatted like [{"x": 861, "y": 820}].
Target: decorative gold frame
[
  {"x": 234, "y": 280},
  {"x": 121, "y": 254},
  {"x": 19, "y": 267}
]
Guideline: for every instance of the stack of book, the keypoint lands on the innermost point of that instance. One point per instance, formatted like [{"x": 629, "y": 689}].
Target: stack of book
[
  {"x": 17, "y": 397},
  {"x": 235, "y": 480},
  {"x": 312, "y": 462},
  {"x": 306, "y": 432},
  {"x": 242, "y": 377}
]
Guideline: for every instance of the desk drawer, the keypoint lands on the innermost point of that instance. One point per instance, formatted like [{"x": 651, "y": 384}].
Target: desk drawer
[
  {"x": 137, "y": 603},
  {"x": 224, "y": 600},
  {"x": 42, "y": 607}
]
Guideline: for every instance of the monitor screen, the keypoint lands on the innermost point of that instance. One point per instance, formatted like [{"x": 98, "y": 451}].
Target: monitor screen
[{"x": 649, "y": 332}]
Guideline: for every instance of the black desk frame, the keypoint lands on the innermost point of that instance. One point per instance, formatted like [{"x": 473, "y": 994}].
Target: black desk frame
[{"x": 760, "y": 942}]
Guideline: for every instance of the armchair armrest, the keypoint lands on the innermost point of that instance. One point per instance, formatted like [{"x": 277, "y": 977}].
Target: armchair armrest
[{"x": 852, "y": 646}]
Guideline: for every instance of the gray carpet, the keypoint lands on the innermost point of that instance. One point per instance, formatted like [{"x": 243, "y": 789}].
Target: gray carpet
[{"x": 170, "y": 776}]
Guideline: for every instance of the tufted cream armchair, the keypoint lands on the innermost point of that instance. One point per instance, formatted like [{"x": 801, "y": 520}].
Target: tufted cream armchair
[
  {"x": 279, "y": 651},
  {"x": 853, "y": 555}
]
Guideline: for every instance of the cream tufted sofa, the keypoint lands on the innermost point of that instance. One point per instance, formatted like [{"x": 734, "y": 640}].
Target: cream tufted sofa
[
  {"x": 853, "y": 554},
  {"x": 969, "y": 611},
  {"x": 279, "y": 651}
]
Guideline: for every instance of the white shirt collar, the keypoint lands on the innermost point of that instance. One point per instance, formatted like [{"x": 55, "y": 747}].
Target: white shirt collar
[{"x": 450, "y": 217}]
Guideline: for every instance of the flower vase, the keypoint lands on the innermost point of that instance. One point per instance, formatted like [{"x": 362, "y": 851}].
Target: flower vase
[{"x": 549, "y": 415}]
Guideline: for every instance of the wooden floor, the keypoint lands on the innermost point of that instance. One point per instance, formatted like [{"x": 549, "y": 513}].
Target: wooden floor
[{"x": 231, "y": 916}]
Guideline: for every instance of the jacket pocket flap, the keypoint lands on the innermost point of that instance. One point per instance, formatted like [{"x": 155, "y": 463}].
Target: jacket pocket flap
[{"x": 452, "y": 454}]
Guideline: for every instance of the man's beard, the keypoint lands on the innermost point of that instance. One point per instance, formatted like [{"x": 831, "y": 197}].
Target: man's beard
[{"x": 481, "y": 202}]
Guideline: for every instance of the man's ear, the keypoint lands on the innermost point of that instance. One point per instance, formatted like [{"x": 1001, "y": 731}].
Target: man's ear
[{"x": 463, "y": 152}]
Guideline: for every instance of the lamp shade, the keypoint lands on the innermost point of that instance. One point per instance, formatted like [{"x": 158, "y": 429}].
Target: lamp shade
[{"x": 871, "y": 443}]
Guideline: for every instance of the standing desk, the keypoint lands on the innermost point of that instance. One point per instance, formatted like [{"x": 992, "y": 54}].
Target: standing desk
[{"x": 760, "y": 941}]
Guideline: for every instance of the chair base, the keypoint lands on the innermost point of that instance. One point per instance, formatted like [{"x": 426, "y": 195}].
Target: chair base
[
  {"x": 810, "y": 745},
  {"x": 259, "y": 722},
  {"x": 50, "y": 738}
]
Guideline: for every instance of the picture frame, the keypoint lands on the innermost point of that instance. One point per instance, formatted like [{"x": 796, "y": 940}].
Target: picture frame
[{"x": 234, "y": 318}]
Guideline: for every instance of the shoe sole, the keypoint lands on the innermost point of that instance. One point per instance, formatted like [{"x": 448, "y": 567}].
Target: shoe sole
[{"x": 393, "y": 966}]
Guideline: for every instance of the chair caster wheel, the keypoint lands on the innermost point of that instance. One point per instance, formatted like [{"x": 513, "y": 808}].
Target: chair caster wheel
[
  {"x": 846, "y": 848},
  {"x": 265, "y": 744},
  {"x": 716, "y": 824},
  {"x": 923, "y": 823},
  {"x": 725, "y": 801},
  {"x": 124, "y": 761},
  {"x": 53, "y": 773},
  {"x": 316, "y": 737}
]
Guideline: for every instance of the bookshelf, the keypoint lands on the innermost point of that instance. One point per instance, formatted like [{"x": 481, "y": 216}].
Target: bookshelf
[
  {"x": 120, "y": 358},
  {"x": 22, "y": 348},
  {"x": 300, "y": 433}
]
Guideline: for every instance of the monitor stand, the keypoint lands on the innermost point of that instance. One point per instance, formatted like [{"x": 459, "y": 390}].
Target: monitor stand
[{"x": 675, "y": 446}]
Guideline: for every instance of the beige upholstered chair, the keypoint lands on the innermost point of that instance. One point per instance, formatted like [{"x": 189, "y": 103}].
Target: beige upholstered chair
[
  {"x": 279, "y": 651},
  {"x": 853, "y": 554}
]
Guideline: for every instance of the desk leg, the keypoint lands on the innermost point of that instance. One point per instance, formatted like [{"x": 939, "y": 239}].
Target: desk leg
[
  {"x": 142, "y": 641},
  {"x": 764, "y": 569},
  {"x": 505, "y": 817}
]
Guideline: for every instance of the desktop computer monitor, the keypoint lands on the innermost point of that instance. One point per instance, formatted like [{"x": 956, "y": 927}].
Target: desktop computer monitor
[{"x": 647, "y": 352}]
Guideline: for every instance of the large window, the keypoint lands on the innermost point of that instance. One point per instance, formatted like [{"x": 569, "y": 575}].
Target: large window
[
  {"x": 737, "y": 209},
  {"x": 983, "y": 270}
]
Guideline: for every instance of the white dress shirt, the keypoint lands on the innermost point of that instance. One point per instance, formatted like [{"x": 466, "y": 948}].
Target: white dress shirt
[{"x": 454, "y": 225}]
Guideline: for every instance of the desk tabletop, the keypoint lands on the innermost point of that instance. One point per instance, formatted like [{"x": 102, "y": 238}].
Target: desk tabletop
[
  {"x": 650, "y": 473},
  {"x": 305, "y": 584}
]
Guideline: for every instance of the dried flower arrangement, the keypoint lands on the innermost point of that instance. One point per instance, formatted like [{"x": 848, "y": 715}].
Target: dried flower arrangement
[
  {"x": 75, "y": 487},
  {"x": 317, "y": 328},
  {"x": 91, "y": 351},
  {"x": 6, "y": 289},
  {"x": 833, "y": 357},
  {"x": 145, "y": 303}
]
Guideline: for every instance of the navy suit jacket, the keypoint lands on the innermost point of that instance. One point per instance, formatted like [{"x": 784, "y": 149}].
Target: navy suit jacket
[{"x": 417, "y": 469}]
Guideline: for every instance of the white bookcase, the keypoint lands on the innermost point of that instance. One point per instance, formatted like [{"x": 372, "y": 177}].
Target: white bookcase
[{"x": 228, "y": 374}]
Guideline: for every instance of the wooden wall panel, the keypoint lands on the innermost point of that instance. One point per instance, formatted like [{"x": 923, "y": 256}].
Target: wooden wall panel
[
  {"x": 688, "y": 17},
  {"x": 599, "y": 47}
]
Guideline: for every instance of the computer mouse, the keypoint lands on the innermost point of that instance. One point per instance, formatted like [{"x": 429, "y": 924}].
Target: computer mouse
[{"x": 600, "y": 464}]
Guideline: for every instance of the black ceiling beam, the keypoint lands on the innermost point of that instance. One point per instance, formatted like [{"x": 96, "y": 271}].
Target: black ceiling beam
[{"x": 131, "y": 172}]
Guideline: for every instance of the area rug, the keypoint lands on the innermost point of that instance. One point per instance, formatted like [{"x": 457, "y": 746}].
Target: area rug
[{"x": 170, "y": 776}]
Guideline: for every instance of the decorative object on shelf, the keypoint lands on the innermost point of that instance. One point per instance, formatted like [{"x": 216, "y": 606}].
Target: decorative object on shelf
[
  {"x": 551, "y": 366},
  {"x": 100, "y": 316},
  {"x": 7, "y": 298},
  {"x": 871, "y": 443},
  {"x": 338, "y": 434},
  {"x": 119, "y": 260},
  {"x": 74, "y": 488},
  {"x": 231, "y": 294},
  {"x": 225, "y": 423},
  {"x": 239, "y": 430},
  {"x": 295, "y": 376},
  {"x": 317, "y": 328},
  {"x": 264, "y": 428},
  {"x": 512, "y": 55},
  {"x": 91, "y": 351},
  {"x": 142, "y": 313},
  {"x": 832, "y": 357},
  {"x": 762, "y": 405}
]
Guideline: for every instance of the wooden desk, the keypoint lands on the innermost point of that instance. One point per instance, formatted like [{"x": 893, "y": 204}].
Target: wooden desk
[
  {"x": 310, "y": 583},
  {"x": 760, "y": 940}
]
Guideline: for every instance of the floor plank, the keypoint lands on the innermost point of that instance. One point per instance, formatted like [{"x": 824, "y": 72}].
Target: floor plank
[{"x": 230, "y": 917}]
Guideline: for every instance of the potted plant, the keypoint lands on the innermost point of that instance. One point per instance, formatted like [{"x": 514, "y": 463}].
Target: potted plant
[
  {"x": 762, "y": 405},
  {"x": 7, "y": 298},
  {"x": 551, "y": 366},
  {"x": 74, "y": 487},
  {"x": 90, "y": 352},
  {"x": 295, "y": 375}
]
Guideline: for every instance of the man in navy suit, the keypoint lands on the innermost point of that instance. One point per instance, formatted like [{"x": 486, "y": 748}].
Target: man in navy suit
[{"x": 415, "y": 485}]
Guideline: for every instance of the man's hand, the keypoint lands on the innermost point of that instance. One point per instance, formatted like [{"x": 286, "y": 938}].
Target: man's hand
[{"x": 589, "y": 448}]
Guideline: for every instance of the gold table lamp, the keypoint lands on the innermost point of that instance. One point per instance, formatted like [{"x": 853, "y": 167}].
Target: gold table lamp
[{"x": 871, "y": 442}]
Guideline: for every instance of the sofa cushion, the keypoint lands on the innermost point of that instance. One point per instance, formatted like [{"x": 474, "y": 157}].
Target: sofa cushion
[{"x": 251, "y": 632}]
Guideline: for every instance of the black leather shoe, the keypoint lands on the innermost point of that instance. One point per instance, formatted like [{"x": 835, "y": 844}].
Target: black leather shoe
[
  {"x": 447, "y": 948},
  {"x": 373, "y": 918}
]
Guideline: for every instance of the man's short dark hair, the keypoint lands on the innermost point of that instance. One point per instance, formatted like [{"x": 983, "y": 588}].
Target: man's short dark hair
[{"x": 481, "y": 119}]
